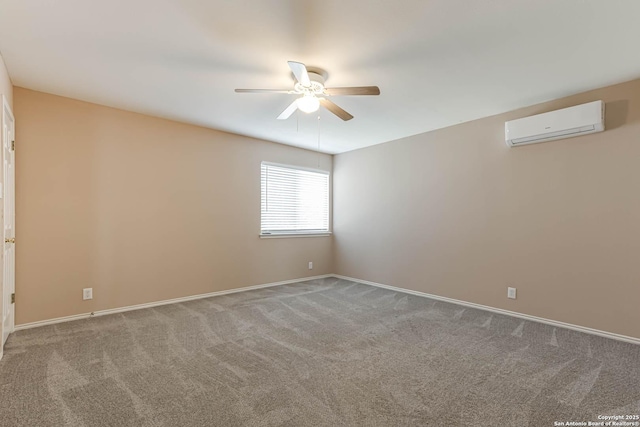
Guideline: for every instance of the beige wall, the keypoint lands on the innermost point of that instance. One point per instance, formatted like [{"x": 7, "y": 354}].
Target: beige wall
[
  {"x": 457, "y": 213},
  {"x": 6, "y": 88},
  {"x": 141, "y": 209},
  {"x": 144, "y": 209}
]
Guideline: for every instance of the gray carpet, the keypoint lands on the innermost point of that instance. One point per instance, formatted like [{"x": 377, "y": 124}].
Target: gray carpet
[{"x": 320, "y": 353}]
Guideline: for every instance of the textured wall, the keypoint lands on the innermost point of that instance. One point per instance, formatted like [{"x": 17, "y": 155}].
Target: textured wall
[
  {"x": 457, "y": 213},
  {"x": 141, "y": 209}
]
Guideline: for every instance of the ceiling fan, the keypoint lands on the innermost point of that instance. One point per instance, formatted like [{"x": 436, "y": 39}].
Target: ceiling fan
[{"x": 310, "y": 86}]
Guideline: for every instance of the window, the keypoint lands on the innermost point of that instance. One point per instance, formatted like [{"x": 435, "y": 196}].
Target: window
[{"x": 294, "y": 200}]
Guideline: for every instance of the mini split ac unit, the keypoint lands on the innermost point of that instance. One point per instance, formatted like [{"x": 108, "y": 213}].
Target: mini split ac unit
[{"x": 565, "y": 123}]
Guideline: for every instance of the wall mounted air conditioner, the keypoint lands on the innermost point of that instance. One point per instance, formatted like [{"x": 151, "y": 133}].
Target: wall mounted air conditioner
[{"x": 565, "y": 123}]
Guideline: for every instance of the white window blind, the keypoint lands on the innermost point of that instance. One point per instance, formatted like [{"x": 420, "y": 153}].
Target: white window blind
[{"x": 294, "y": 200}]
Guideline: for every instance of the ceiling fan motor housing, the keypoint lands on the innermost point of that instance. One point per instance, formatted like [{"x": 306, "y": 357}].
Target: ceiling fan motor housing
[{"x": 316, "y": 87}]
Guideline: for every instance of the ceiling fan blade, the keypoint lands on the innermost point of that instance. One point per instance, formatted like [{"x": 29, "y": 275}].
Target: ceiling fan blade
[
  {"x": 288, "y": 111},
  {"x": 363, "y": 90},
  {"x": 335, "y": 109},
  {"x": 263, "y": 91},
  {"x": 300, "y": 71}
]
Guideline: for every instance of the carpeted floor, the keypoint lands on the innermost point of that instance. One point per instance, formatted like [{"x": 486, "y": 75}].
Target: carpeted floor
[{"x": 320, "y": 353}]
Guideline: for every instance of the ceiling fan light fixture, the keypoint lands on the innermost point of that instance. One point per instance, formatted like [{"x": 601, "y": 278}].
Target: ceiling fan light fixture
[{"x": 308, "y": 103}]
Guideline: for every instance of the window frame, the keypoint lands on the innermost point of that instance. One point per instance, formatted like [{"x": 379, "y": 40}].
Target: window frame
[{"x": 291, "y": 233}]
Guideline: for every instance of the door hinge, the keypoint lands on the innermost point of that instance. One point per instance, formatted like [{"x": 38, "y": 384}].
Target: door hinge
[
  {"x": 13, "y": 298},
  {"x": 13, "y": 145}
]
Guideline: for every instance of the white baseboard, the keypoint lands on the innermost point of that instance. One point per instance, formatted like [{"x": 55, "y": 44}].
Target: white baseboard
[
  {"x": 366, "y": 282},
  {"x": 501, "y": 311},
  {"x": 163, "y": 302}
]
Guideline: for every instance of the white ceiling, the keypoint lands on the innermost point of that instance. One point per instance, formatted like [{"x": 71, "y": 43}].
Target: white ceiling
[{"x": 437, "y": 63}]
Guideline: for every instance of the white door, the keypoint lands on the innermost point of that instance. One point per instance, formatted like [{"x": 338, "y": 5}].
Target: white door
[{"x": 9, "y": 258}]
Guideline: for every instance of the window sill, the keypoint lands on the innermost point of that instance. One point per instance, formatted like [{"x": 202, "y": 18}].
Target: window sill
[{"x": 287, "y": 235}]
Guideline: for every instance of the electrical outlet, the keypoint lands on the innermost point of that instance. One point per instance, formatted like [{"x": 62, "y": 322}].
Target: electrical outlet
[
  {"x": 87, "y": 293},
  {"x": 511, "y": 293},
  {"x": 310, "y": 265}
]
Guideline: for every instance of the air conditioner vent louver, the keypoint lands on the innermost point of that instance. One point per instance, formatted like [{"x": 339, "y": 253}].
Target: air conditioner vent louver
[{"x": 566, "y": 123}]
